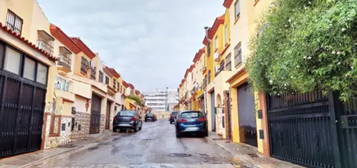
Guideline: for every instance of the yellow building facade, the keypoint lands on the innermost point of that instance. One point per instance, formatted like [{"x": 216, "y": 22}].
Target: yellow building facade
[
  {"x": 66, "y": 92},
  {"x": 233, "y": 108},
  {"x": 247, "y": 126}
]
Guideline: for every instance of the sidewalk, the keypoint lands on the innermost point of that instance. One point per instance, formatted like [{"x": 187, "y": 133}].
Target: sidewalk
[
  {"x": 249, "y": 156},
  {"x": 28, "y": 159}
]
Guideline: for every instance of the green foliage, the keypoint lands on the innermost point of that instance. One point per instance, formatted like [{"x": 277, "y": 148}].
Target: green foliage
[
  {"x": 305, "y": 45},
  {"x": 136, "y": 99}
]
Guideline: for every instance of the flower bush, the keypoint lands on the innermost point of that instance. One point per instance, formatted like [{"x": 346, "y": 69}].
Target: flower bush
[{"x": 306, "y": 45}]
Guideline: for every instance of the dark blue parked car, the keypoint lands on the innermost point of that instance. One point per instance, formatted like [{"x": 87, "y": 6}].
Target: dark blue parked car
[
  {"x": 127, "y": 120},
  {"x": 191, "y": 122}
]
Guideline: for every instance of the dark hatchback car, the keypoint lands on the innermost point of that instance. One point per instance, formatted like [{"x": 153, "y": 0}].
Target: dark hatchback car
[
  {"x": 127, "y": 120},
  {"x": 173, "y": 117},
  {"x": 150, "y": 117},
  {"x": 191, "y": 122}
]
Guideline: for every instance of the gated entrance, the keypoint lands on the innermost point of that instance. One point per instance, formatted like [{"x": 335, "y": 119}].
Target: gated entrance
[
  {"x": 94, "y": 127},
  {"x": 313, "y": 129},
  {"x": 247, "y": 117},
  {"x": 22, "y": 103}
]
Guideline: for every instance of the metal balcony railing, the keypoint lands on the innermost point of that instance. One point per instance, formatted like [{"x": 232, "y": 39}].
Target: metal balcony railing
[
  {"x": 45, "y": 46},
  {"x": 65, "y": 61}
]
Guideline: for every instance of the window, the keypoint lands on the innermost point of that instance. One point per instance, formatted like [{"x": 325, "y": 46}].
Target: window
[
  {"x": 237, "y": 54},
  {"x": 208, "y": 49},
  {"x": 101, "y": 77},
  {"x": 41, "y": 73},
  {"x": 228, "y": 63},
  {"x": 107, "y": 80},
  {"x": 216, "y": 42},
  {"x": 12, "y": 61},
  {"x": 226, "y": 35},
  {"x": 237, "y": 9},
  {"x": 209, "y": 77},
  {"x": 14, "y": 22},
  {"x": 62, "y": 84},
  {"x": 29, "y": 69},
  {"x": 84, "y": 65}
]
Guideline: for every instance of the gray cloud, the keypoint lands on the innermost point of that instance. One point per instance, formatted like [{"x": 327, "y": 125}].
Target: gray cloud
[{"x": 150, "y": 42}]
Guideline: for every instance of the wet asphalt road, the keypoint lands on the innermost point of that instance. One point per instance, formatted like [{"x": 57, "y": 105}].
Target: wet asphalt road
[{"x": 155, "y": 146}]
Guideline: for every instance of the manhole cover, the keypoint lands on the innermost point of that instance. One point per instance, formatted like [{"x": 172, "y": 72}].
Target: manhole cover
[
  {"x": 115, "y": 139},
  {"x": 67, "y": 146},
  {"x": 180, "y": 155},
  {"x": 104, "y": 143},
  {"x": 93, "y": 148},
  {"x": 253, "y": 155},
  {"x": 148, "y": 139}
]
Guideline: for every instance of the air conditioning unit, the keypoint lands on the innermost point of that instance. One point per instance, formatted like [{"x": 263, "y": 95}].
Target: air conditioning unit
[{"x": 216, "y": 56}]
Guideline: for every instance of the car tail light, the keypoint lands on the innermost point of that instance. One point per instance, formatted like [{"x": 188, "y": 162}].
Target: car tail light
[
  {"x": 202, "y": 119},
  {"x": 181, "y": 120},
  {"x": 133, "y": 119}
]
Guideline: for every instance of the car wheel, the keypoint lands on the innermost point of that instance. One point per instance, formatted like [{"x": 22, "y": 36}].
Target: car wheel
[
  {"x": 136, "y": 129},
  {"x": 178, "y": 135},
  {"x": 115, "y": 129}
]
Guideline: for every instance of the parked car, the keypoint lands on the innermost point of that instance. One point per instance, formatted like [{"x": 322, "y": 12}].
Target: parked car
[
  {"x": 127, "y": 120},
  {"x": 173, "y": 117},
  {"x": 191, "y": 122},
  {"x": 150, "y": 117}
]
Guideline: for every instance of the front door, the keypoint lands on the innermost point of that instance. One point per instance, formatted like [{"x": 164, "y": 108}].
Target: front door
[
  {"x": 108, "y": 116},
  {"x": 247, "y": 117},
  {"x": 227, "y": 113},
  {"x": 213, "y": 112},
  {"x": 95, "y": 115}
]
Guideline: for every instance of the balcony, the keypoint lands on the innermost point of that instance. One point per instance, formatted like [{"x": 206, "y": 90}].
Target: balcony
[
  {"x": 216, "y": 57},
  {"x": 65, "y": 61},
  {"x": 93, "y": 72},
  {"x": 219, "y": 68},
  {"x": 44, "y": 41},
  {"x": 45, "y": 46}
]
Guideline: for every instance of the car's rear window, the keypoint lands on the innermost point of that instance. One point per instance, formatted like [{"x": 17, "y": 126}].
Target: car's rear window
[
  {"x": 149, "y": 115},
  {"x": 192, "y": 114},
  {"x": 127, "y": 113},
  {"x": 173, "y": 113}
]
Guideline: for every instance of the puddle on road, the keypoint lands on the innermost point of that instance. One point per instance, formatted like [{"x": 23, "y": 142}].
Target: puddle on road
[
  {"x": 67, "y": 146},
  {"x": 93, "y": 148},
  {"x": 115, "y": 139},
  {"x": 181, "y": 155},
  {"x": 104, "y": 143}
]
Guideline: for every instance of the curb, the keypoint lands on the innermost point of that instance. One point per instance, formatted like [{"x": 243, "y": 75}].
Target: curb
[
  {"x": 71, "y": 151},
  {"x": 77, "y": 149},
  {"x": 244, "y": 160},
  {"x": 235, "y": 158}
]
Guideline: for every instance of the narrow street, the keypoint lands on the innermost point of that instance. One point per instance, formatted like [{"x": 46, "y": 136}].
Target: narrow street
[{"x": 154, "y": 146}]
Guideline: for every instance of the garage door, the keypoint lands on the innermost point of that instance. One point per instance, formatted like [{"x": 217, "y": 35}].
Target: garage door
[
  {"x": 95, "y": 115},
  {"x": 22, "y": 103},
  {"x": 247, "y": 117}
]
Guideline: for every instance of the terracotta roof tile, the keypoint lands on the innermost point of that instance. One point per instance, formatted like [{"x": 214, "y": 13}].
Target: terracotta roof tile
[
  {"x": 27, "y": 42},
  {"x": 84, "y": 48},
  {"x": 64, "y": 39}
]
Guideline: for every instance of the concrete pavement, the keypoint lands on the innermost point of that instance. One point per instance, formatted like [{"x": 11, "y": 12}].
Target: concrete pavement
[{"x": 155, "y": 146}]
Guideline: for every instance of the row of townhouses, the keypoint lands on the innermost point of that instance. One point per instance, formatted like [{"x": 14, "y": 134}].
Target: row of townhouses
[
  {"x": 54, "y": 89},
  {"x": 299, "y": 128}
]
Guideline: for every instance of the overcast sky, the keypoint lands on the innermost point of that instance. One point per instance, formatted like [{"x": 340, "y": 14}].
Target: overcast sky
[{"x": 149, "y": 42}]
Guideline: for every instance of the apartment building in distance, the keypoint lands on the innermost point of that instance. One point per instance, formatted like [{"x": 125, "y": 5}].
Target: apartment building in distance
[{"x": 161, "y": 100}]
